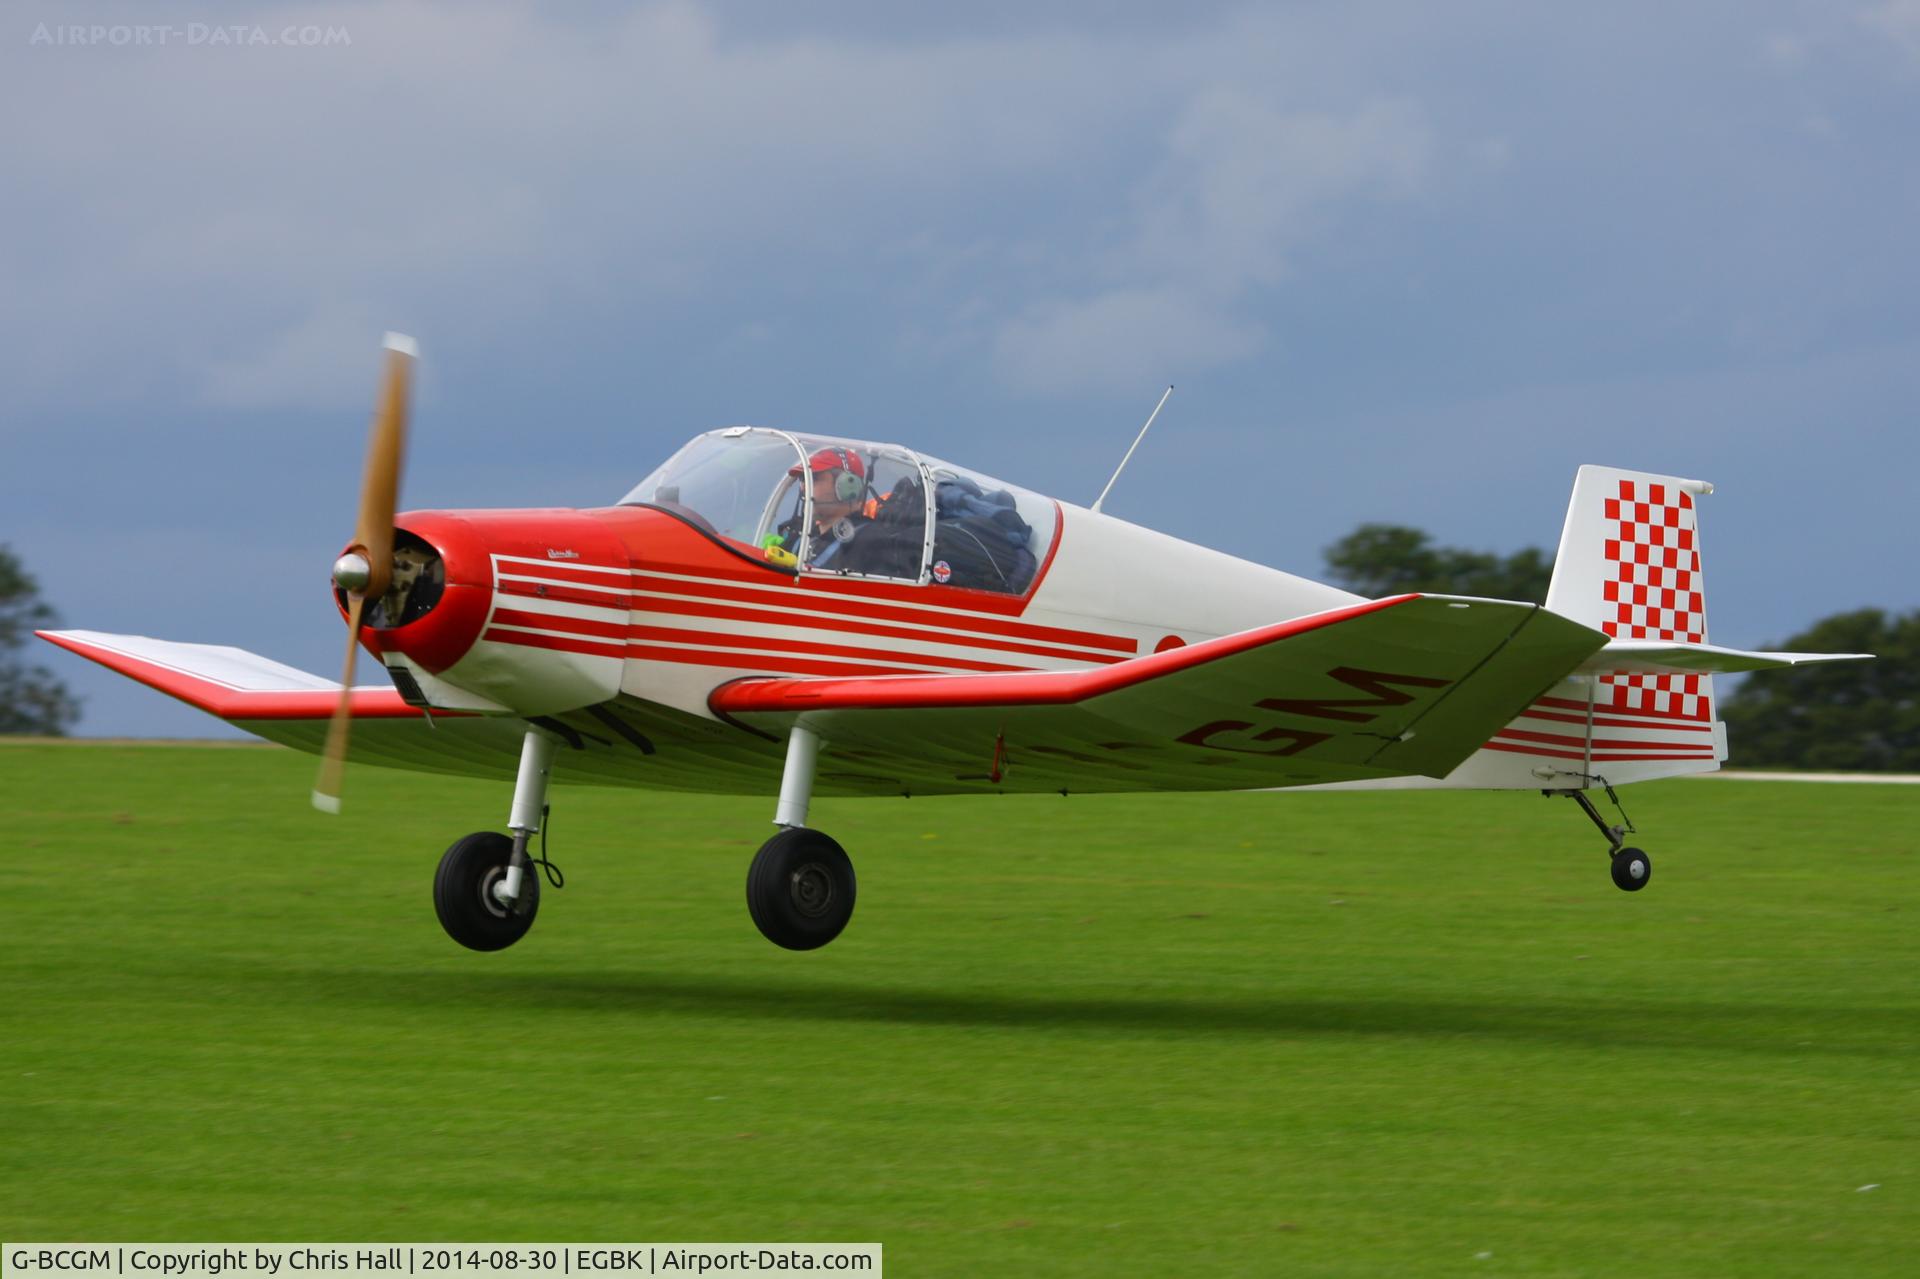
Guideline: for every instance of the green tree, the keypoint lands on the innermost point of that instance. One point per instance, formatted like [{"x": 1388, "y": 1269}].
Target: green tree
[
  {"x": 31, "y": 699},
  {"x": 1391, "y": 559},
  {"x": 1850, "y": 716}
]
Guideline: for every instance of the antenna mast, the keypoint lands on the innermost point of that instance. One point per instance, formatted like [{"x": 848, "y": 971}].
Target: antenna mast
[{"x": 1136, "y": 444}]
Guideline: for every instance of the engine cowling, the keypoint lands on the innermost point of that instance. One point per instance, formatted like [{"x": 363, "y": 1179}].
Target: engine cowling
[{"x": 454, "y": 574}]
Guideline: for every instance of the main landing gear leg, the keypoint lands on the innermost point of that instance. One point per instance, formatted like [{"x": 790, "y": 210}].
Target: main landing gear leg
[
  {"x": 1631, "y": 867},
  {"x": 485, "y": 892},
  {"x": 800, "y": 887},
  {"x": 523, "y": 819}
]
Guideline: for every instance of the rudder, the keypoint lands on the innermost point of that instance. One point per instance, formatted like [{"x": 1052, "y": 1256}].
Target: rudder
[{"x": 1629, "y": 564}]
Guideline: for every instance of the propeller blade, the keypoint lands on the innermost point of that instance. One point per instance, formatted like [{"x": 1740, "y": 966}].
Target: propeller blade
[
  {"x": 373, "y": 542},
  {"x": 386, "y": 451},
  {"x": 333, "y": 759}
]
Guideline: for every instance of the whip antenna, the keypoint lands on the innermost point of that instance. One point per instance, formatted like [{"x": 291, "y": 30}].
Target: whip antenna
[{"x": 1136, "y": 444}]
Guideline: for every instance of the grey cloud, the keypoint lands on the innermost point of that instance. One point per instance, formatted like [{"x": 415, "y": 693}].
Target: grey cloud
[
  {"x": 457, "y": 160},
  {"x": 1899, "y": 21},
  {"x": 1119, "y": 338},
  {"x": 1243, "y": 183}
]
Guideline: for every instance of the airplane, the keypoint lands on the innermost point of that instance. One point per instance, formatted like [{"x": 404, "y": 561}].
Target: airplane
[{"x": 780, "y": 614}]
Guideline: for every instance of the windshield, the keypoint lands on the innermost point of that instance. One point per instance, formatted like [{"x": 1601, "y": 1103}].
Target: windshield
[
  {"x": 726, "y": 482},
  {"x": 819, "y": 504}
]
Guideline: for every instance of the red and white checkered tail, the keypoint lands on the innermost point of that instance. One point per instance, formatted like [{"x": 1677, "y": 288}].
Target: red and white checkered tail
[{"x": 1629, "y": 565}]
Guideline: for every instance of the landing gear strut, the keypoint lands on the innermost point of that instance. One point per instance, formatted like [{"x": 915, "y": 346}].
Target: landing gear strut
[
  {"x": 484, "y": 891},
  {"x": 1631, "y": 867},
  {"x": 800, "y": 888}
]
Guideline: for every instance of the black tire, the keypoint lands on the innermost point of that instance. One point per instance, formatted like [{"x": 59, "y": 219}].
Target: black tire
[
  {"x": 463, "y": 893},
  {"x": 800, "y": 889},
  {"x": 1631, "y": 869}
]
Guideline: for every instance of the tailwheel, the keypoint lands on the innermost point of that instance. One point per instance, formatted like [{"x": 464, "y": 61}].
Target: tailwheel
[
  {"x": 800, "y": 889},
  {"x": 465, "y": 897},
  {"x": 1631, "y": 869}
]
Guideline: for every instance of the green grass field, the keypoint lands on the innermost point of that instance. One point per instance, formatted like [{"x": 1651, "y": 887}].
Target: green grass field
[{"x": 1245, "y": 1034}]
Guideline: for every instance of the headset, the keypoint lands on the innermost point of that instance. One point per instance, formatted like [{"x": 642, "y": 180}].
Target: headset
[{"x": 848, "y": 486}]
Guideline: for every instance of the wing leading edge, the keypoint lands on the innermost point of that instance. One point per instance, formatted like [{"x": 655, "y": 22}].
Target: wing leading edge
[
  {"x": 230, "y": 683},
  {"x": 1410, "y": 685}
]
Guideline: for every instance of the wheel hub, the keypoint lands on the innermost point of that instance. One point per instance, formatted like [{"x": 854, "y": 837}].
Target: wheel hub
[
  {"x": 812, "y": 890},
  {"x": 488, "y": 882}
]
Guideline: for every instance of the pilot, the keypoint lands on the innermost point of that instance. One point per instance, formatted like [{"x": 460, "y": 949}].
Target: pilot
[{"x": 839, "y": 480}]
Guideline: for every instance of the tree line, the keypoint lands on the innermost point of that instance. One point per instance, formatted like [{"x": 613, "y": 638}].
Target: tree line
[{"x": 31, "y": 699}]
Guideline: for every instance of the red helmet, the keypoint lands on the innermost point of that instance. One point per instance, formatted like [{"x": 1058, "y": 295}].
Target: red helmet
[{"x": 834, "y": 459}]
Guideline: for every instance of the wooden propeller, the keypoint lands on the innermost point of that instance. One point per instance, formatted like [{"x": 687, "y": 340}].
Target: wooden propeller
[{"x": 367, "y": 567}]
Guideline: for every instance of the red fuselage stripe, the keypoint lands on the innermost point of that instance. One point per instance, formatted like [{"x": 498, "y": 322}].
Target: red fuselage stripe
[
  {"x": 1602, "y": 759},
  {"x": 559, "y": 622},
  {"x": 822, "y": 599},
  {"x": 1558, "y": 739},
  {"x": 723, "y": 659},
  {"x": 515, "y": 623},
  {"x": 1604, "y": 708},
  {"x": 722, "y": 639},
  {"x": 778, "y": 611},
  {"x": 1609, "y": 721},
  {"x": 850, "y": 626},
  {"x": 556, "y": 643}
]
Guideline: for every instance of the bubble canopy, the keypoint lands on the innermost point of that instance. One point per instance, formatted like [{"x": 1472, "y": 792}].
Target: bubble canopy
[{"x": 853, "y": 508}]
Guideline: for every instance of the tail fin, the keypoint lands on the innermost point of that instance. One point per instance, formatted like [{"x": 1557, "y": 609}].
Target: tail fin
[
  {"x": 1641, "y": 707},
  {"x": 1629, "y": 565}
]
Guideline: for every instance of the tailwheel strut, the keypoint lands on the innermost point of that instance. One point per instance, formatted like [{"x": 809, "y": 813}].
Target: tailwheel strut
[{"x": 1631, "y": 867}]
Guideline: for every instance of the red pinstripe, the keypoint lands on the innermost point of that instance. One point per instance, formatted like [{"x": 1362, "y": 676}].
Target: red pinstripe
[
  {"x": 1598, "y": 759},
  {"x": 1627, "y": 717},
  {"x": 722, "y": 639},
  {"x": 845, "y": 595},
  {"x": 1608, "y": 721},
  {"x": 610, "y": 597},
  {"x": 695, "y": 657},
  {"x": 811, "y": 598},
  {"x": 510, "y": 623},
  {"x": 692, "y": 608},
  {"x": 556, "y": 643},
  {"x": 555, "y": 622},
  {"x": 1558, "y": 739},
  {"x": 940, "y": 629}
]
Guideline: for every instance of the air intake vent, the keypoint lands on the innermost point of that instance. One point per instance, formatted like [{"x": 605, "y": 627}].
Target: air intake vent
[{"x": 409, "y": 687}]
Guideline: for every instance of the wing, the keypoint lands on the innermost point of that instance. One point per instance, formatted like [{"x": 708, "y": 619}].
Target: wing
[
  {"x": 228, "y": 682},
  {"x": 284, "y": 704},
  {"x": 626, "y": 742},
  {"x": 1410, "y": 685}
]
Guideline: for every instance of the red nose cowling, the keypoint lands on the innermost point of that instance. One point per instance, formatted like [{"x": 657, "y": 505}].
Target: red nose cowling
[{"x": 477, "y": 548}]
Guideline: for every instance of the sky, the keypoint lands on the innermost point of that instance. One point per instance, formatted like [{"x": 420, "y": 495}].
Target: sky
[{"x": 1405, "y": 262}]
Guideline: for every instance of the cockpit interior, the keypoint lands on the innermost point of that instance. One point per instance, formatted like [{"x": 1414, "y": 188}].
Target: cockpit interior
[{"x": 816, "y": 504}]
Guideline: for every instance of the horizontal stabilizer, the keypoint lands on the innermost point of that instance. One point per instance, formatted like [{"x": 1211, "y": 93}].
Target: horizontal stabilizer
[
  {"x": 229, "y": 682},
  {"x": 1661, "y": 657}
]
